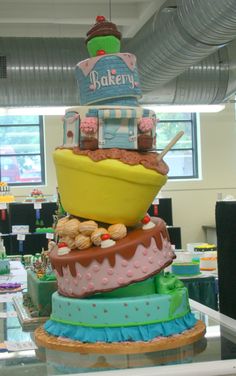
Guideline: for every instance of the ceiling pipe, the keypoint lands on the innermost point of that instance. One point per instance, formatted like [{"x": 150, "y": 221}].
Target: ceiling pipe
[
  {"x": 177, "y": 38},
  {"x": 179, "y": 62}
]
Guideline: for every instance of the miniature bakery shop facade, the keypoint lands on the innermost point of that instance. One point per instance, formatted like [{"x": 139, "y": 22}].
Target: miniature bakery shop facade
[{"x": 132, "y": 128}]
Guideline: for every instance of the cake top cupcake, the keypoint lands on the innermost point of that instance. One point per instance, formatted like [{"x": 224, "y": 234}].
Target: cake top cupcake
[
  {"x": 103, "y": 27},
  {"x": 103, "y": 38}
]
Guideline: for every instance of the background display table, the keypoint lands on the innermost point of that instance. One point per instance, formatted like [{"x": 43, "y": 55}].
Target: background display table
[
  {"x": 18, "y": 214},
  {"x": 217, "y": 355},
  {"x": 203, "y": 289}
]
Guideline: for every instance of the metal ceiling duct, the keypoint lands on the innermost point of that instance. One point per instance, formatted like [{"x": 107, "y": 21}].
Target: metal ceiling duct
[
  {"x": 40, "y": 72},
  {"x": 177, "y": 38},
  {"x": 185, "y": 55},
  {"x": 206, "y": 82}
]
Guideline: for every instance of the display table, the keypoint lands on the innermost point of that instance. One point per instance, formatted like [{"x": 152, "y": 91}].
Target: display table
[
  {"x": 26, "y": 214},
  {"x": 215, "y": 353},
  {"x": 203, "y": 289}
]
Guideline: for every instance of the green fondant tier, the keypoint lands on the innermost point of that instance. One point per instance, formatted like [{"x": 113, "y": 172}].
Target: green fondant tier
[
  {"x": 120, "y": 312},
  {"x": 147, "y": 287},
  {"x": 40, "y": 291}
]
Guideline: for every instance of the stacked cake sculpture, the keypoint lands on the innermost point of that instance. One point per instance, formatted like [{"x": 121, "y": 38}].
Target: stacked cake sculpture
[{"x": 110, "y": 256}]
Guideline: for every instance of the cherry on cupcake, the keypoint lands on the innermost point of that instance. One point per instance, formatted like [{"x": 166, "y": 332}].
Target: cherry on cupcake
[
  {"x": 101, "y": 52},
  {"x": 105, "y": 237},
  {"x": 100, "y": 19},
  {"x": 146, "y": 219}
]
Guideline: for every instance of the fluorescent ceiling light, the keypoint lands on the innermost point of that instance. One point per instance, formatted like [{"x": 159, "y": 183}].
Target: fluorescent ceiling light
[
  {"x": 32, "y": 111},
  {"x": 61, "y": 110},
  {"x": 186, "y": 108}
]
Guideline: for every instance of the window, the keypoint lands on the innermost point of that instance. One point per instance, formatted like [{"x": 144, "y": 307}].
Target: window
[
  {"x": 21, "y": 150},
  {"x": 182, "y": 158}
]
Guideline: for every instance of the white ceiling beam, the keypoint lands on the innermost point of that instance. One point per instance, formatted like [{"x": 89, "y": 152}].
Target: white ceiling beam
[
  {"x": 43, "y": 31},
  {"x": 72, "y": 18},
  {"x": 64, "y": 11},
  {"x": 146, "y": 11}
]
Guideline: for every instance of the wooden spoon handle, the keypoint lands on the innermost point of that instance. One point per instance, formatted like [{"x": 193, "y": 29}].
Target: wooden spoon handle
[{"x": 169, "y": 146}]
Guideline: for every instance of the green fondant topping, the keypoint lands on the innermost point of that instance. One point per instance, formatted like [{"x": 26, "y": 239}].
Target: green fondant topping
[
  {"x": 110, "y": 44},
  {"x": 167, "y": 283},
  {"x": 121, "y": 325}
]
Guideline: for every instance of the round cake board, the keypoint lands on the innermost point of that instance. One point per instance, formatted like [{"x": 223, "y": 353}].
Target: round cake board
[{"x": 43, "y": 339}]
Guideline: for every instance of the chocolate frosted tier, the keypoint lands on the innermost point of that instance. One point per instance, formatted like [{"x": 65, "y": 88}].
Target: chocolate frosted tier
[
  {"x": 141, "y": 254},
  {"x": 148, "y": 160},
  {"x": 102, "y": 29}
]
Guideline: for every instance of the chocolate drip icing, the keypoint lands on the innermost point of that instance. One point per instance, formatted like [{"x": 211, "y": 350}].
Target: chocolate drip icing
[{"x": 125, "y": 247}]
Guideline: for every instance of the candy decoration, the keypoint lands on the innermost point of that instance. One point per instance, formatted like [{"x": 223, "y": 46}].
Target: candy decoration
[
  {"x": 146, "y": 219},
  {"x": 105, "y": 236},
  {"x": 100, "y": 19},
  {"x": 63, "y": 249},
  {"x": 107, "y": 241},
  {"x": 147, "y": 223},
  {"x": 62, "y": 244},
  {"x": 100, "y": 52}
]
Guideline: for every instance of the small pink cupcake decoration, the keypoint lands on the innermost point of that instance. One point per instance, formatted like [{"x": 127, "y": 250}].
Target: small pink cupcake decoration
[{"x": 89, "y": 125}]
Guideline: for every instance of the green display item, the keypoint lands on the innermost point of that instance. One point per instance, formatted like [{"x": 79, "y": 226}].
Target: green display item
[
  {"x": 40, "y": 292},
  {"x": 109, "y": 43},
  {"x": 42, "y": 230}
]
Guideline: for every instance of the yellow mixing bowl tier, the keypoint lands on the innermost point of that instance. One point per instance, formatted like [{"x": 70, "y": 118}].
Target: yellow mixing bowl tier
[{"x": 107, "y": 191}]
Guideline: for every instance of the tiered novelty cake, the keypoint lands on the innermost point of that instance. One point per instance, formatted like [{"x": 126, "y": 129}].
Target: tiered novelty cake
[{"x": 110, "y": 257}]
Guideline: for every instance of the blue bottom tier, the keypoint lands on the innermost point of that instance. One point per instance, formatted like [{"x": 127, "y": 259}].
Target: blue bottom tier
[{"x": 134, "y": 333}]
